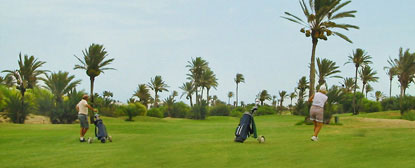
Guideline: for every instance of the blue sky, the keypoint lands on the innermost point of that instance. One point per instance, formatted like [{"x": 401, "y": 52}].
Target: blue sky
[{"x": 158, "y": 37}]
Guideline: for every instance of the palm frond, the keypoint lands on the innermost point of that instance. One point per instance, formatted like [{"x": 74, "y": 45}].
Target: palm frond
[{"x": 343, "y": 37}]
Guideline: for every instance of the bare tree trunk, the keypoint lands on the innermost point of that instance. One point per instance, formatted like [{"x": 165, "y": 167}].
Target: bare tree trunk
[
  {"x": 390, "y": 88},
  {"x": 91, "y": 115},
  {"x": 354, "y": 93},
  {"x": 236, "y": 94}
]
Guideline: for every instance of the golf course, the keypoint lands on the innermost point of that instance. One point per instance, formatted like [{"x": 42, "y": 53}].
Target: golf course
[{"x": 367, "y": 140}]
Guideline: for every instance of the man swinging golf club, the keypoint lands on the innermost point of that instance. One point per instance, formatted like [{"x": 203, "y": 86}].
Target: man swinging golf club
[
  {"x": 317, "y": 110},
  {"x": 82, "y": 108}
]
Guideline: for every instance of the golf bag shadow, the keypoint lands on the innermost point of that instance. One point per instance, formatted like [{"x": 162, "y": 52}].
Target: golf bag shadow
[{"x": 246, "y": 127}]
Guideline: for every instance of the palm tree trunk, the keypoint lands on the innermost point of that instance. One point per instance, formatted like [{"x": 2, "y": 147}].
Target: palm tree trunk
[
  {"x": 312, "y": 67},
  {"x": 236, "y": 94},
  {"x": 363, "y": 89},
  {"x": 354, "y": 93},
  {"x": 207, "y": 96},
  {"x": 91, "y": 115},
  {"x": 390, "y": 88},
  {"x": 191, "y": 101},
  {"x": 155, "y": 99},
  {"x": 229, "y": 100},
  {"x": 197, "y": 95}
]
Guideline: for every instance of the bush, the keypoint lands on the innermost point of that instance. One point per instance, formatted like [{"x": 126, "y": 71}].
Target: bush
[
  {"x": 370, "y": 106},
  {"x": 391, "y": 103},
  {"x": 199, "y": 111},
  {"x": 410, "y": 115},
  {"x": 132, "y": 110},
  {"x": 180, "y": 110},
  {"x": 301, "y": 108},
  {"x": 44, "y": 102},
  {"x": 219, "y": 110},
  {"x": 14, "y": 109},
  {"x": 155, "y": 112},
  {"x": 348, "y": 102},
  {"x": 237, "y": 112},
  {"x": 266, "y": 110}
]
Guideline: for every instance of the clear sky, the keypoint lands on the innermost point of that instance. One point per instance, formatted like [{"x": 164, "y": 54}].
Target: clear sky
[{"x": 158, "y": 37}]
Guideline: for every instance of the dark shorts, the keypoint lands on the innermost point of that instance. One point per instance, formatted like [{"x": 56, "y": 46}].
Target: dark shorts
[{"x": 83, "y": 120}]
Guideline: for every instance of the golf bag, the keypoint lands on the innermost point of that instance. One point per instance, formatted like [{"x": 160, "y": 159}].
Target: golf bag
[
  {"x": 246, "y": 127},
  {"x": 100, "y": 130}
]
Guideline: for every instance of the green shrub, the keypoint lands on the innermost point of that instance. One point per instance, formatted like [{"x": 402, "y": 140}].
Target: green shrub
[
  {"x": 301, "y": 108},
  {"x": 44, "y": 102},
  {"x": 132, "y": 110},
  {"x": 410, "y": 115},
  {"x": 199, "y": 111},
  {"x": 14, "y": 109},
  {"x": 266, "y": 110},
  {"x": 155, "y": 112},
  {"x": 391, "y": 103},
  {"x": 370, "y": 106},
  {"x": 348, "y": 102},
  {"x": 237, "y": 112},
  {"x": 180, "y": 110},
  {"x": 219, "y": 110}
]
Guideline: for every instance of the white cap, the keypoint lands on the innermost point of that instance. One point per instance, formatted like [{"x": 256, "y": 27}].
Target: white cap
[{"x": 323, "y": 88}]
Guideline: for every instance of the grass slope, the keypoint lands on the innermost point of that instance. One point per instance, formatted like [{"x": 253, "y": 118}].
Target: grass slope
[{"x": 150, "y": 142}]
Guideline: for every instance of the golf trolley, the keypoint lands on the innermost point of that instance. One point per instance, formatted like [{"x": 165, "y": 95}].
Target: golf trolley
[
  {"x": 247, "y": 126},
  {"x": 100, "y": 131}
]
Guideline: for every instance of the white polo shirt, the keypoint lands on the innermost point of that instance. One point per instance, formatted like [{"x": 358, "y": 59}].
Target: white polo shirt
[
  {"x": 83, "y": 108},
  {"x": 319, "y": 99}
]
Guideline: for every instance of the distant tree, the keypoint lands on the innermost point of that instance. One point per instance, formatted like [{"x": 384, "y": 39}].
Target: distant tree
[
  {"x": 369, "y": 88},
  {"x": 359, "y": 59},
  {"x": 26, "y": 77},
  {"x": 94, "y": 63},
  {"x": 238, "y": 79},
  {"x": 197, "y": 67},
  {"x": 378, "y": 95},
  {"x": 274, "y": 101},
  {"x": 391, "y": 72},
  {"x": 188, "y": 90},
  {"x": 367, "y": 74},
  {"x": 230, "y": 95},
  {"x": 302, "y": 87},
  {"x": 283, "y": 95},
  {"x": 208, "y": 81},
  {"x": 349, "y": 85},
  {"x": 320, "y": 20},
  {"x": 263, "y": 95},
  {"x": 292, "y": 96},
  {"x": 326, "y": 69},
  {"x": 143, "y": 94},
  {"x": 158, "y": 85}
]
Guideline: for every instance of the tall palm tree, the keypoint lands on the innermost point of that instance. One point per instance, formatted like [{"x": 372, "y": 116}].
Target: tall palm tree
[
  {"x": 302, "y": 86},
  {"x": 60, "y": 83},
  {"x": 143, "y": 94},
  {"x": 359, "y": 59},
  {"x": 283, "y": 95},
  {"x": 27, "y": 75},
  {"x": 263, "y": 95},
  {"x": 367, "y": 74},
  {"x": 378, "y": 95},
  {"x": 188, "y": 90},
  {"x": 348, "y": 85},
  {"x": 326, "y": 68},
  {"x": 158, "y": 85},
  {"x": 208, "y": 81},
  {"x": 274, "y": 101},
  {"x": 405, "y": 68},
  {"x": 391, "y": 72},
  {"x": 238, "y": 79},
  {"x": 292, "y": 96},
  {"x": 320, "y": 20},
  {"x": 369, "y": 88},
  {"x": 197, "y": 67},
  {"x": 94, "y": 63},
  {"x": 230, "y": 95}
]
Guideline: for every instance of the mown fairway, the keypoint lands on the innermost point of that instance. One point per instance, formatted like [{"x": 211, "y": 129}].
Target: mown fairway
[{"x": 149, "y": 142}]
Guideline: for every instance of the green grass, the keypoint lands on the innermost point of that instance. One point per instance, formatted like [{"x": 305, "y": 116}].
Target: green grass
[{"x": 150, "y": 142}]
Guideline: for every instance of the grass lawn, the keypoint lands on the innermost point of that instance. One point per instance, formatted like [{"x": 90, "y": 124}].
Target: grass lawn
[{"x": 363, "y": 141}]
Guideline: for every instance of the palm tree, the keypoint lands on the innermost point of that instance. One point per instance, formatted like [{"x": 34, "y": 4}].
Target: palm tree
[
  {"x": 348, "y": 85},
  {"x": 292, "y": 96},
  {"x": 230, "y": 95},
  {"x": 359, "y": 59},
  {"x": 238, "y": 79},
  {"x": 405, "y": 68},
  {"x": 263, "y": 95},
  {"x": 283, "y": 95},
  {"x": 378, "y": 95},
  {"x": 188, "y": 90},
  {"x": 320, "y": 15},
  {"x": 94, "y": 63},
  {"x": 27, "y": 75},
  {"x": 196, "y": 67},
  {"x": 274, "y": 102},
  {"x": 158, "y": 85},
  {"x": 391, "y": 72},
  {"x": 326, "y": 68},
  {"x": 369, "y": 88},
  {"x": 302, "y": 87},
  {"x": 208, "y": 81},
  {"x": 143, "y": 94},
  {"x": 367, "y": 74},
  {"x": 60, "y": 83}
]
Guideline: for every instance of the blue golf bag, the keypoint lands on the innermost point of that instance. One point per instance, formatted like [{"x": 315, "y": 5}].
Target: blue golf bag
[
  {"x": 101, "y": 130},
  {"x": 246, "y": 127}
]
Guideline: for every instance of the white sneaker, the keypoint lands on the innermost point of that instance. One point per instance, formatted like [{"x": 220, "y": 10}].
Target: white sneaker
[{"x": 314, "y": 138}]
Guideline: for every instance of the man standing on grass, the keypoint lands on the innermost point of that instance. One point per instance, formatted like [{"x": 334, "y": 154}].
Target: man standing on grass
[
  {"x": 317, "y": 110},
  {"x": 82, "y": 108}
]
